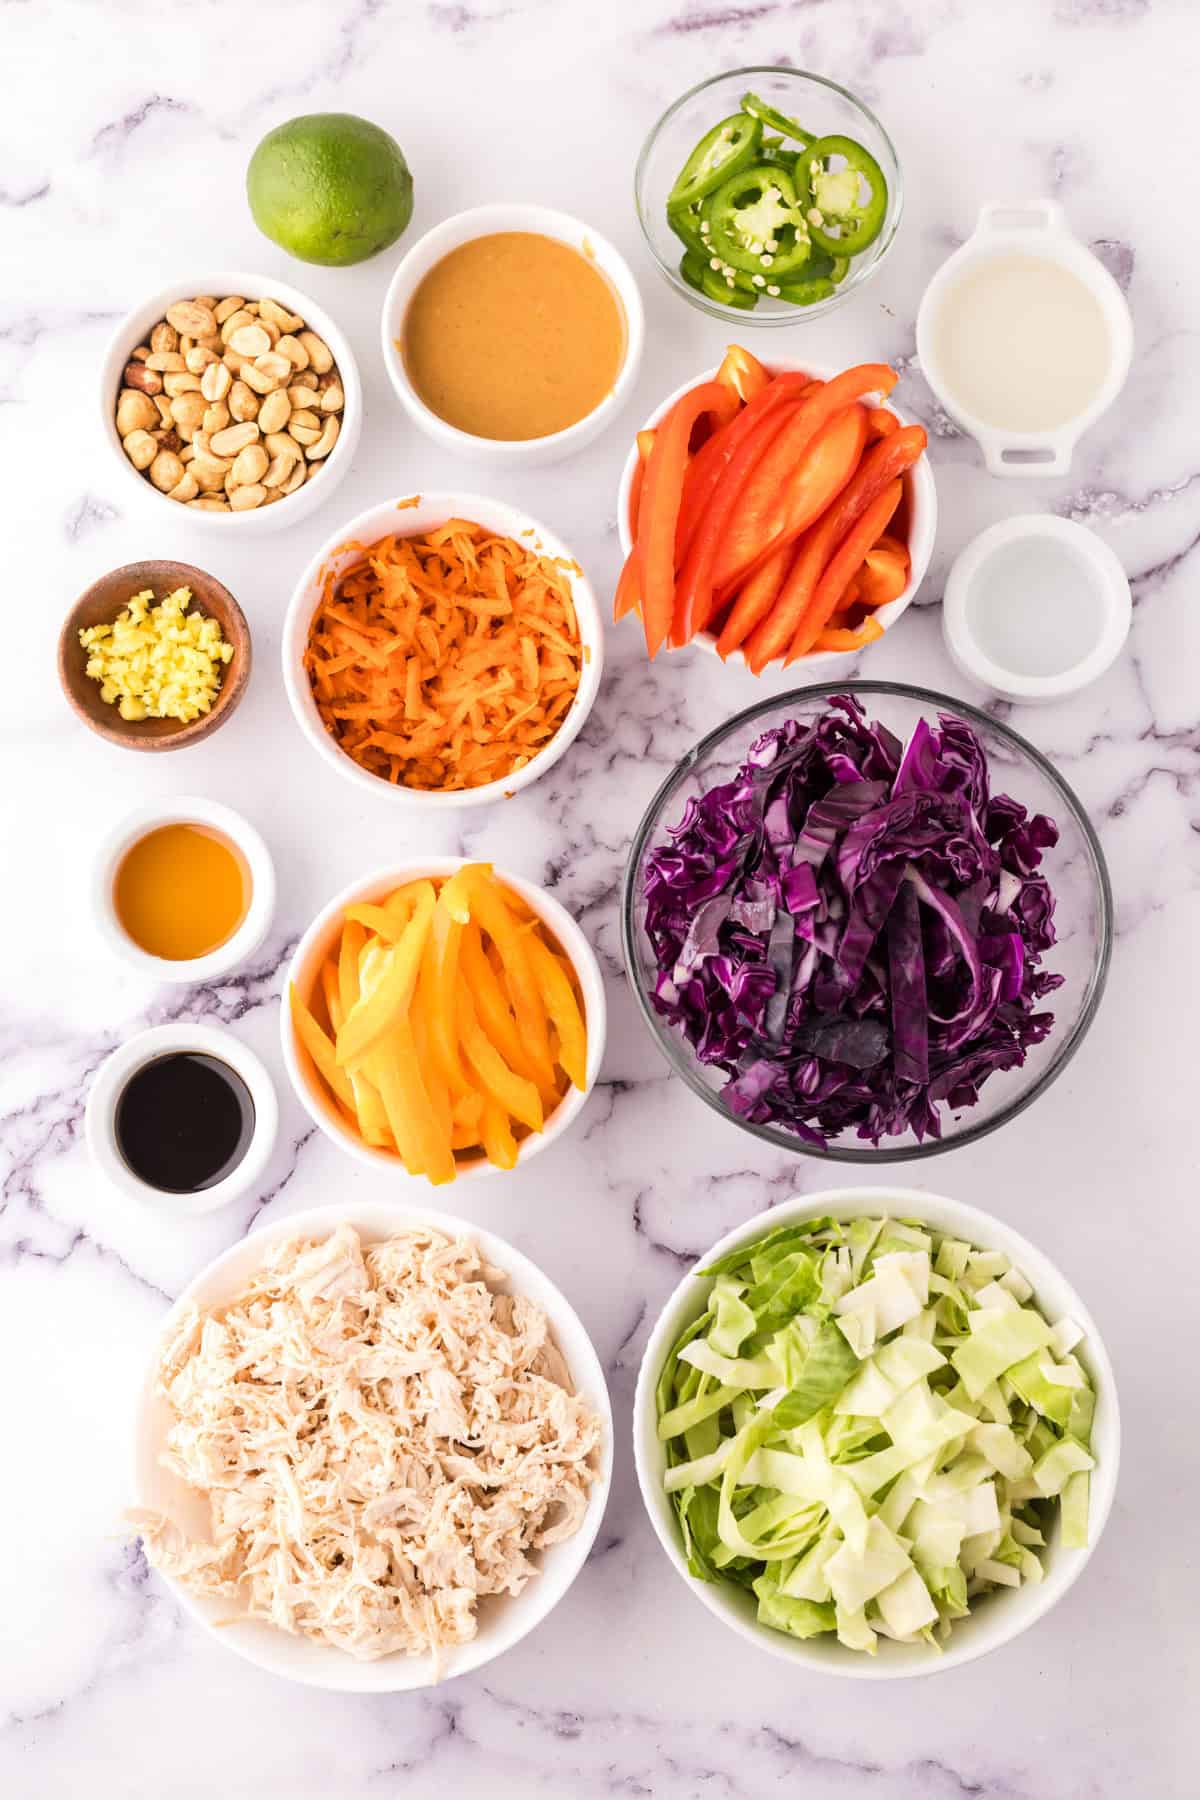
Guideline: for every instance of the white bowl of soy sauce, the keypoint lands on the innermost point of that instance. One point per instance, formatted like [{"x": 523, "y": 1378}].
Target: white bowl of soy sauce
[{"x": 183, "y": 1117}]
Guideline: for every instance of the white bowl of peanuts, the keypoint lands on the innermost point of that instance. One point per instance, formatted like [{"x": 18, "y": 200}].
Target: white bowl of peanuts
[{"x": 248, "y": 420}]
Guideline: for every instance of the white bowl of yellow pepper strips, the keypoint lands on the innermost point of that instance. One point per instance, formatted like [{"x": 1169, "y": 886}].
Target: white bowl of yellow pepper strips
[
  {"x": 231, "y": 394},
  {"x": 444, "y": 1019},
  {"x": 155, "y": 655}
]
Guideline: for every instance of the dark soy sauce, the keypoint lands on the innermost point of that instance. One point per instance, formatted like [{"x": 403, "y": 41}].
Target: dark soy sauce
[{"x": 184, "y": 1122}]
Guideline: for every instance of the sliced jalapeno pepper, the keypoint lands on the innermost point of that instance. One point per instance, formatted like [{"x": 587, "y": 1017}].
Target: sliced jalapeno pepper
[
  {"x": 720, "y": 287},
  {"x": 778, "y": 155},
  {"x": 775, "y": 120},
  {"x": 729, "y": 146},
  {"x": 755, "y": 223},
  {"x": 833, "y": 197},
  {"x": 691, "y": 268},
  {"x": 685, "y": 223},
  {"x": 806, "y": 293}
]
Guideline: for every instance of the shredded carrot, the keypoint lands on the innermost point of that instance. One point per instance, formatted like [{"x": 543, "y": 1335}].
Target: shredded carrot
[{"x": 447, "y": 660}]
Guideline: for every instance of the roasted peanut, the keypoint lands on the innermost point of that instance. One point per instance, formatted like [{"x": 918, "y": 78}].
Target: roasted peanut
[{"x": 135, "y": 412}]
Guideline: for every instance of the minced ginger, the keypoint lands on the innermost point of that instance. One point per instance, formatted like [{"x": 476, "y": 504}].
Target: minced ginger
[{"x": 158, "y": 662}]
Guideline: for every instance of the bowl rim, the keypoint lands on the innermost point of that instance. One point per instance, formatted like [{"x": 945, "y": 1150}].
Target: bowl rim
[
  {"x": 367, "y": 528},
  {"x": 385, "y": 1217},
  {"x": 235, "y": 678},
  {"x": 252, "y": 286},
  {"x": 566, "y": 929},
  {"x": 854, "y": 280},
  {"x": 923, "y": 495},
  {"x": 985, "y": 1231},
  {"x": 479, "y": 221},
  {"x": 185, "y": 809},
  {"x": 148, "y": 1046},
  {"x": 885, "y": 1151}
]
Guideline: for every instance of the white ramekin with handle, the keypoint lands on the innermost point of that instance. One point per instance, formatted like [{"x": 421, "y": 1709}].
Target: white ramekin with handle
[{"x": 1037, "y": 229}]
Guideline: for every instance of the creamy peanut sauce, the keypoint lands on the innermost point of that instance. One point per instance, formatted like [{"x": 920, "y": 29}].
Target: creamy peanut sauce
[{"x": 514, "y": 335}]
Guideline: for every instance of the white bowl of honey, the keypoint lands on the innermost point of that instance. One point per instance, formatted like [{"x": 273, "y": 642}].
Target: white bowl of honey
[
  {"x": 512, "y": 333},
  {"x": 184, "y": 890}
]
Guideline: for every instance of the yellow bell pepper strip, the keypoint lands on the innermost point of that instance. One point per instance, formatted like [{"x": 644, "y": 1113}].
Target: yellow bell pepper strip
[
  {"x": 455, "y": 896},
  {"x": 384, "y": 921},
  {"x": 491, "y": 911},
  {"x": 662, "y": 493},
  {"x": 499, "y": 1144},
  {"x": 333, "y": 998},
  {"x": 435, "y": 996},
  {"x": 424, "y": 1147},
  {"x": 563, "y": 1008},
  {"x": 517, "y": 1096},
  {"x": 374, "y": 1014},
  {"x": 320, "y": 1049},
  {"x": 354, "y": 937},
  {"x": 491, "y": 1003},
  {"x": 436, "y": 1084},
  {"x": 368, "y": 1107}
]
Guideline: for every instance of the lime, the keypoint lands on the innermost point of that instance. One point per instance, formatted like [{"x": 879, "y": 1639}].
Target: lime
[{"x": 330, "y": 188}]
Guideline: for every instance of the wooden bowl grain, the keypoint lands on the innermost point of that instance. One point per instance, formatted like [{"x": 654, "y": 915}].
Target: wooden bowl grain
[{"x": 108, "y": 597}]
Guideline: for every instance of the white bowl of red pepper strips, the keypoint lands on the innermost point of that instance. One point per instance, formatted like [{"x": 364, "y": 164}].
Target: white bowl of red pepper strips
[
  {"x": 866, "y": 923},
  {"x": 768, "y": 194},
  {"x": 797, "y": 531}
]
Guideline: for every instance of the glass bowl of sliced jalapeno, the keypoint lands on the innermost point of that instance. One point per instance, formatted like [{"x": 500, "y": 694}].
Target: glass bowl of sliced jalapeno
[{"x": 768, "y": 194}]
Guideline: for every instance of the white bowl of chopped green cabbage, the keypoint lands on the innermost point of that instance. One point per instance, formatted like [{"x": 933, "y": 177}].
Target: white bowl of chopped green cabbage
[{"x": 877, "y": 1432}]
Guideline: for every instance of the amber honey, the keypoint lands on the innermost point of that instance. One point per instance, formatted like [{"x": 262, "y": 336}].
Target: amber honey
[{"x": 181, "y": 891}]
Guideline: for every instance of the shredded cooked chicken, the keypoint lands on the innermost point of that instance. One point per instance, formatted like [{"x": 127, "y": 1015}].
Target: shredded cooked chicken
[{"x": 382, "y": 1440}]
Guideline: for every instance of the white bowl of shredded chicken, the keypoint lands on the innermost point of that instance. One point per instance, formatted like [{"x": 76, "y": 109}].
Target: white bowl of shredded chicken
[{"x": 374, "y": 1448}]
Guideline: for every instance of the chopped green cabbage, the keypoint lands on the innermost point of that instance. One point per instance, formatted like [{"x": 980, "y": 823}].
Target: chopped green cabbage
[{"x": 870, "y": 1426}]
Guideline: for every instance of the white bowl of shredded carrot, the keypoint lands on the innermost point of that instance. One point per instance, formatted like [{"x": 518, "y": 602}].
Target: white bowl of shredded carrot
[
  {"x": 344, "y": 957},
  {"x": 443, "y": 647}
]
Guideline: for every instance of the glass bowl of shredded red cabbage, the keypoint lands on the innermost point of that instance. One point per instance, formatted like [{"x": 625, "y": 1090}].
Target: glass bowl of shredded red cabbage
[{"x": 867, "y": 922}]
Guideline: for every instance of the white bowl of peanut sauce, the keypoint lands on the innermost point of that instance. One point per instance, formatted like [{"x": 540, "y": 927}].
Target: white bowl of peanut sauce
[{"x": 512, "y": 333}]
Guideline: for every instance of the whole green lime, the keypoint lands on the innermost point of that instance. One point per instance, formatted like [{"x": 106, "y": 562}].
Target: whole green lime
[{"x": 330, "y": 188}]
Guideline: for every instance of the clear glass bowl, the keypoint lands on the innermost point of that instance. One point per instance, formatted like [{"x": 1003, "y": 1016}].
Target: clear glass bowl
[
  {"x": 1075, "y": 869},
  {"x": 815, "y": 102}
]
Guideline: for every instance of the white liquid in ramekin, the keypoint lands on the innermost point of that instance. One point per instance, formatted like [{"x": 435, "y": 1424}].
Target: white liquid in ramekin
[{"x": 1022, "y": 344}]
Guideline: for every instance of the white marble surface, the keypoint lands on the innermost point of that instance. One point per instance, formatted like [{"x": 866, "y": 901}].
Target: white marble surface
[{"x": 126, "y": 130}]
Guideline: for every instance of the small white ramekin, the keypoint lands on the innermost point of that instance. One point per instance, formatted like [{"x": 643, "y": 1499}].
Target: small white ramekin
[
  {"x": 1001, "y": 1616},
  {"x": 316, "y": 945},
  {"x": 480, "y": 221},
  {"x": 132, "y": 331},
  {"x": 185, "y": 811},
  {"x": 100, "y": 1115},
  {"x": 922, "y": 510},
  {"x": 1038, "y": 229},
  {"x": 408, "y": 520},
  {"x": 1109, "y": 587}
]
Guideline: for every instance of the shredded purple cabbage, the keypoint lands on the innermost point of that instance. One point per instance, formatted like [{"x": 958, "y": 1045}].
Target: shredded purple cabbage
[{"x": 853, "y": 929}]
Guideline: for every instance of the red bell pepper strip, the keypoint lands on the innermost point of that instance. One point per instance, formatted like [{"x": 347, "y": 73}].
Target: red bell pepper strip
[
  {"x": 759, "y": 522},
  {"x": 743, "y": 372},
  {"x": 881, "y": 422},
  {"x": 823, "y": 471},
  {"x": 835, "y": 638},
  {"x": 658, "y": 514},
  {"x": 843, "y": 565},
  {"x": 713, "y": 458},
  {"x": 755, "y": 601},
  {"x": 695, "y": 596},
  {"x": 628, "y": 597},
  {"x": 884, "y": 574},
  {"x": 890, "y": 457}
]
